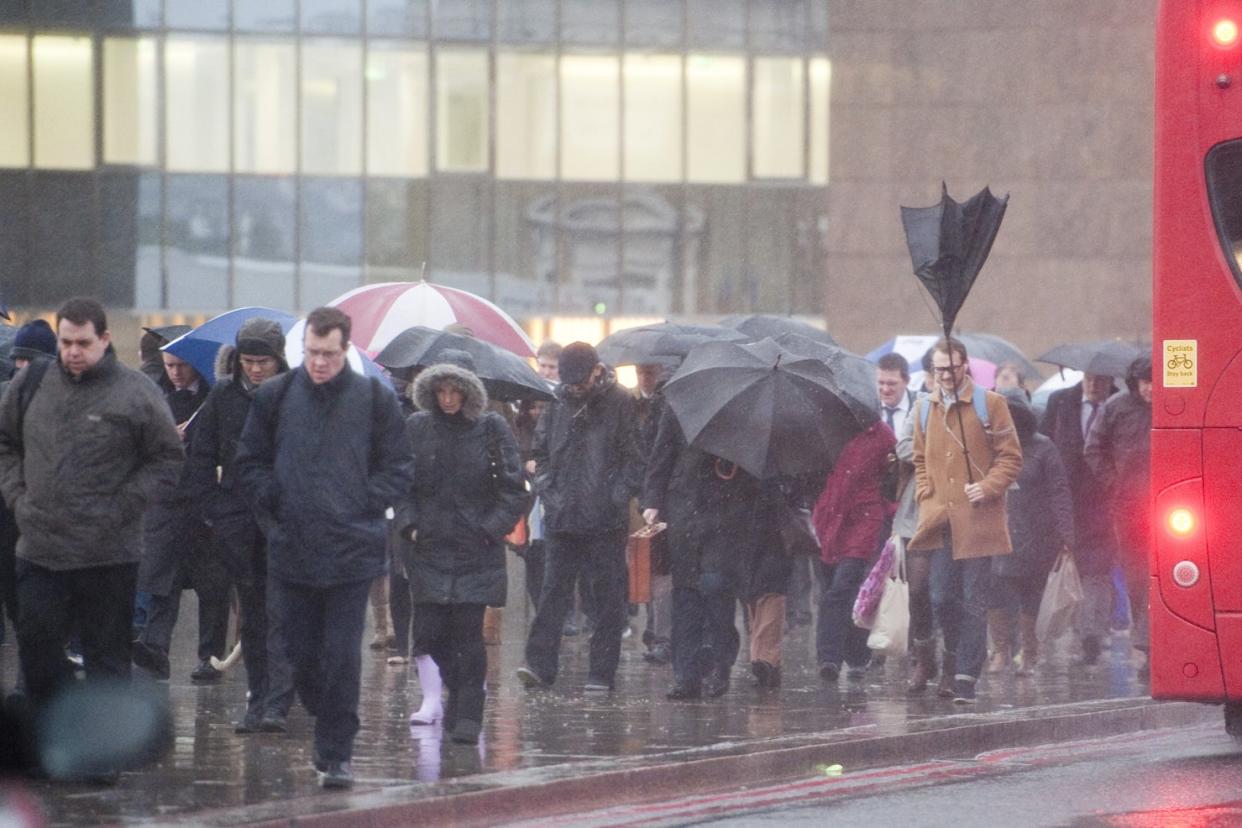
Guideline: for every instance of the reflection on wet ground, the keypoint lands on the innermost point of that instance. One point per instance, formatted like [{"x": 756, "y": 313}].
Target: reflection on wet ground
[{"x": 211, "y": 767}]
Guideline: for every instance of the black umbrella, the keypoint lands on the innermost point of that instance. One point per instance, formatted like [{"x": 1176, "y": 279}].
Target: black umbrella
[
  {"x": 998, "y": 351},
  {"x": 770, "y": 411},
  {"x": 1109, "y": 357},
  {"x": 758, "y": 325},
  {"x": 505, "y": 375},
  {"x": 168, "y": 333},
  {"x": 665, "y": 343},
  {"x": 855, "y": 374},
  {"x": 949, "y": 242}
]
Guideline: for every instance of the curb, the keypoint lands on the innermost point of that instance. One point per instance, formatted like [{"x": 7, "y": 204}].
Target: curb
[{"x": 572, "y": 787}]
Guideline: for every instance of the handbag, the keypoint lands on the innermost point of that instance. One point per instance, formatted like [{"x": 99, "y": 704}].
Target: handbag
[
  {"x": 1062, "y": 592},
  {"x": 891, "y": 629},
  {"x": 638, "y": 561},
  {"x": 872, "y": 588}
]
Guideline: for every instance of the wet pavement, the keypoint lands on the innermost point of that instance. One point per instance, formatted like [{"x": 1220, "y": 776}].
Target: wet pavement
[{"x": 211, "y": 768}]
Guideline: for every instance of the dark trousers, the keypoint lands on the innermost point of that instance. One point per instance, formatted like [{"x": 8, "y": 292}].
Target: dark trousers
[
  {"x": 533, "y": 557},
  {"x": 453, "y": 635},
  {"x": 601, "y": 559},
  {"x": 323, "y": 642},
  {"x": 836, "y": 637},
  {"x": 8, "y": 569},
  {"x": 213, "y": 622},
  {"x": 400, "y": 607},
  {"x": 95, "y": 602},
  {"x": 956, "y": 594},
  {"x": 704, "y": 635}
]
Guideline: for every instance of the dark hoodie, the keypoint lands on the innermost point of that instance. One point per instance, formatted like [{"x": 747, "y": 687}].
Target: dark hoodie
[
  {"x": 468, "y": 493},
  {"x": 1119, "y": 446},
  {"x": 587, "y": 460}
]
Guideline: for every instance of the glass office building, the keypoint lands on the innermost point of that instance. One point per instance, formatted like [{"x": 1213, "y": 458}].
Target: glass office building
[{"x": 562, "y": 157}]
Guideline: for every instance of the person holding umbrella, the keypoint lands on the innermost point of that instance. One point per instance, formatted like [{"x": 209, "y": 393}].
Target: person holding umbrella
[
  {"x": 468, "y": 493},
  {"x": 966, "y": 456}
]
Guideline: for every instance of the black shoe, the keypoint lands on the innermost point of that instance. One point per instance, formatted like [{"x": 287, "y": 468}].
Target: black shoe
[
  {"x": 569, "y": 631},
  {"x": 684, "y": 692},
  {"x": 963, "y": 691},
  {"x": 829, "y": 672},
  {"x": 250, "y": 723},
  {"x": 273, "y": 723},
  {"x": 530, "y": 679},
  {"x": 466, "y": 732},
  {"x": 717, "y": 683},
  {"x": 205, "y": 673},
  {"x": 1090, "y": 651},
  {"x": 336, "y": 775},
  {"x": 660, "y": 653},
  {"x": 152, "y": 660},
  {"x": 763, "y": 672}
]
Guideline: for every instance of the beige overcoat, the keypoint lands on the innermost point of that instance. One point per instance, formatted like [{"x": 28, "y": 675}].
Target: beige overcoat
[{"x": 940, "y": 475}]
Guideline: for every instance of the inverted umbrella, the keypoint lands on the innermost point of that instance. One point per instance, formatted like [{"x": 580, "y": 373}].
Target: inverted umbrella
[
  {"x": 1109, "y": 357},
  {"x": 760, "y": 325},
  {"x": 199, "y": 346},
  {"x": 505, "y": 375},
  {"x": 379, "y": 312},
  {"x": 949, "y": 242},
  {"x": 768, "y": 410},
  {"x": 664, "y": 343}
]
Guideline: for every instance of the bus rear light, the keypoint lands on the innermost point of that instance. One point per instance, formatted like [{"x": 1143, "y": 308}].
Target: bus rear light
[
  {"x": 1181, "y": 522},
  {"x": 1225, "y": 33},
  {"x": 1186, "y": 574}
]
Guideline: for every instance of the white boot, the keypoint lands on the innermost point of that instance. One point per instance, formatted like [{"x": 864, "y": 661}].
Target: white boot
[{"x": 432, "y": 709}]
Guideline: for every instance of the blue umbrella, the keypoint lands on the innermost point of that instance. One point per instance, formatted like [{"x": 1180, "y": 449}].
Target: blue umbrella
[{"x": 200, "y": 346}]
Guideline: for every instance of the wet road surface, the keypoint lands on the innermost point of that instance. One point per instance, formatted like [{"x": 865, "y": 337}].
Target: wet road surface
[{"x": 210, "y": 767}]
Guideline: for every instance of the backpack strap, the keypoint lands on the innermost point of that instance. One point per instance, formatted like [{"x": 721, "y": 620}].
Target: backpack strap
[
  {"x": 33, "y": 377},
  {"x": 979, "y": 399}
]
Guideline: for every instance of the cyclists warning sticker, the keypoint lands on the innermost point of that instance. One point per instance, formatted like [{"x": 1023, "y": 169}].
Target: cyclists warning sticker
[{"x": 1181, "y": 357}]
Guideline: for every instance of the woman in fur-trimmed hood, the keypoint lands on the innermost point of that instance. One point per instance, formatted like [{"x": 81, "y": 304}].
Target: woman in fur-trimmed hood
[{"x": 469, "y": 491}]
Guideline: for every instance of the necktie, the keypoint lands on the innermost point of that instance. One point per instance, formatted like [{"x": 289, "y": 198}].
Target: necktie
[
  {"x": 1095, "y": 409},
  {"x": 889, "y": 411}
]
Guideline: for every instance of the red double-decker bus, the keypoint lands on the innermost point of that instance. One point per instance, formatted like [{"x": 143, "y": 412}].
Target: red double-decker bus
[{"x": 1196, "y": 477}]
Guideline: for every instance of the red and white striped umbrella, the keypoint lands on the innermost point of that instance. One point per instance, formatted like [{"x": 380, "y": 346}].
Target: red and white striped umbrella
[{"x": 381, "y": 311}]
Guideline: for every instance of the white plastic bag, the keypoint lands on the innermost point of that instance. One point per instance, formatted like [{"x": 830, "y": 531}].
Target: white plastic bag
[
  {"x": 890, "y": 629},
  {"x": 1062, "y": 592}
]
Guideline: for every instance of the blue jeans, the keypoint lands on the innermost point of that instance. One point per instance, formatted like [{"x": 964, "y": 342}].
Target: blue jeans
[
  {"x": 323, "y": 643},
  {"x": 836, "y": 637},
  {"x": 960, "y": 595}
]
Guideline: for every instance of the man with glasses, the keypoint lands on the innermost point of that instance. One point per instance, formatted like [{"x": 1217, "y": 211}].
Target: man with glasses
[
  {"x": 323, "y": 455},
  {"x": 966, "y": 456}
]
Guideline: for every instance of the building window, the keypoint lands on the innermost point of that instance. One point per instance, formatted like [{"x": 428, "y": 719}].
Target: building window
[
  {"x": 653, "y": 133},
  {"x": 129, "y": 109},
  {"x": 461, "y": 110},
  {"x": 14, "y": 103},
  {"x": 396, "y": 111},
  {"x": 715, "y": 118},
  {"x": 821, "y": 84},
  {"x": 590, "y": 118},
  {"x": 525, "y": 116},
  {"x": 267, "y": 16},
  {"x": 331, "y": 108},
  {"x": 198, "y": 14},
  {"x": 778, "y": 118},
  {"x": 64, "y": 110},
  {"x": 196, "y": 111},
  {"x": 264, "y": 137}
]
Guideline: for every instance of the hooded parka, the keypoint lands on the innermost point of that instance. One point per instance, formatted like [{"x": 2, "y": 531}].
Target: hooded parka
[{"x": 469, "y": 492}]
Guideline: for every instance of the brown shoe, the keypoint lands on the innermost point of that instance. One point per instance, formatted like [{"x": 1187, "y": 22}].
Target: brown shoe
[
  {"x": 924, "y": 667},
  {"x": 948, "y": 669}
]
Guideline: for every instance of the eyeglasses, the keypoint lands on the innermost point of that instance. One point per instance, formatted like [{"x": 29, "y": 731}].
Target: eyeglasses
[{"x": 946, "y": 369}]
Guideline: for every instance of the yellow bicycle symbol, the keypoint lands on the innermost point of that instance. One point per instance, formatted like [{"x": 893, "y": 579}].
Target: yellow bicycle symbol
[{"x": 1180, "y": 361}]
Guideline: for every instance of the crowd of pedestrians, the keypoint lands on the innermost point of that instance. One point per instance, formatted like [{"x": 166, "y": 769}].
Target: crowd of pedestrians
[{"x": 295, "y": 496}]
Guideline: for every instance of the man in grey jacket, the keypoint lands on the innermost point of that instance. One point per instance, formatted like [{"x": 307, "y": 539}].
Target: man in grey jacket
[{"x": 85, "y": 444}]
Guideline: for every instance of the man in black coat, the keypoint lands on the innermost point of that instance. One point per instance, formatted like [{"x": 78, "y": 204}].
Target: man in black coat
[
  {"x": 1070, "y": 416},
  {"x": 322, "y": 457},
  {"x": 587, "y": 467},
  {"x": 211, "y": 483},
  {"x": 177, "y": 554}
]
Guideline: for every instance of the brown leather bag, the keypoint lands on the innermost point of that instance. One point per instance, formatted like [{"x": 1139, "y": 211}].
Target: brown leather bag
[{"x": 639, "y": 555}]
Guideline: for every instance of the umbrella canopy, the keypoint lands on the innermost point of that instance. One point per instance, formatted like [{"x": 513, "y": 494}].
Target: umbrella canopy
[
  {"x": 760, "y": 325},
  {"x": 199, "y": 346},
  {"x": 770, "y": 411},
  {"x": 1109, "y": 357},
  {"x": 949, "y": 242},
  {"x": 665, "y": 343},
  {"x": 855, "y": 374},
  {"x": 989, "y": 347},
  {"x": 505, "y": 375},
  {"x": 382, "y": 311},
  {"x": 358, "y": 361},
  {"x": 981, "y": 371}
]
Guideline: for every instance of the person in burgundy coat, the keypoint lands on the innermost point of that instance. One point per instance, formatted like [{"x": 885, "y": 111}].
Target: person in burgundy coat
[{"x": 849, "y": 520}]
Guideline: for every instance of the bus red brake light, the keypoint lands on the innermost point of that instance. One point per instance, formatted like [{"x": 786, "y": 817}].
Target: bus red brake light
[
  {"x": 1225, "y": 33},
  {"x": 1181, "y": 522}
]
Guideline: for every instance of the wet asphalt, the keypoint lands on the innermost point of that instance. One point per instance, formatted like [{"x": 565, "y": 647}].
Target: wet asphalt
[{"x": 210, "y": 767}]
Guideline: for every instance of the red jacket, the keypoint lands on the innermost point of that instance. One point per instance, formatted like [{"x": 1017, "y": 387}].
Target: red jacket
[{"x": 850, "y": 512}]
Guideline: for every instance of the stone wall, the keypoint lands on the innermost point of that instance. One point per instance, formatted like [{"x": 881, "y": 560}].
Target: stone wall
[{"x": 1049, "y": 101}]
